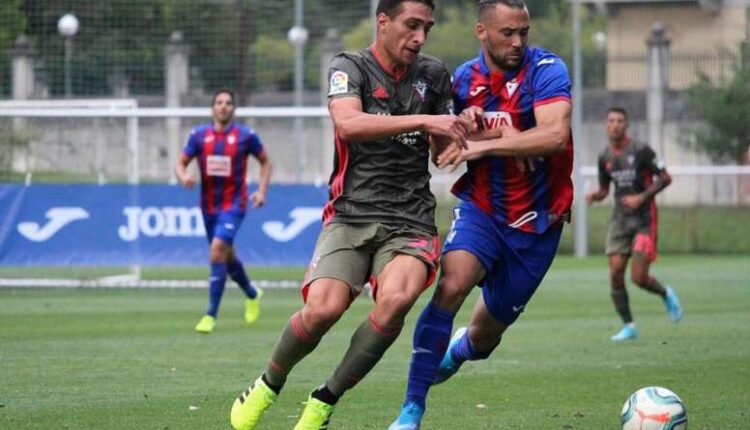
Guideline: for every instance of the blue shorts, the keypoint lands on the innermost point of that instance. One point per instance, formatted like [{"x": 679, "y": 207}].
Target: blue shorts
[
  {"x": 515, "y": 261},
  {"x": 223, "y": 225}
]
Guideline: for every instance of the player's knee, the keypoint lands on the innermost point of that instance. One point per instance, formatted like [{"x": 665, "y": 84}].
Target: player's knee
[
  {"x": 640, "y": 278},
  {"x": 453, "y": 288},
  {"x": 396, "y": 304},
  {"x": 617, "y": 280},
  {"x": 321, "y": 318}
]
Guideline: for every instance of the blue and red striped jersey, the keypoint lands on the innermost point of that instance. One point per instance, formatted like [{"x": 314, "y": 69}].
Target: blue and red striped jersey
[
  {"x": 222, "y": 157},
  {"x": 528, "y": 199}
]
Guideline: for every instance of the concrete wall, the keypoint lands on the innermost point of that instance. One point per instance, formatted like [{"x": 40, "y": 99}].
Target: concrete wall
[{"x": 697, "y": 36}]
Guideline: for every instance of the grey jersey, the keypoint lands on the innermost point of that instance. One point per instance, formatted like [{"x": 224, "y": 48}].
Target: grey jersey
[
  {"x": 386, "y": 180},
  {"x": 632, "y": 170}
]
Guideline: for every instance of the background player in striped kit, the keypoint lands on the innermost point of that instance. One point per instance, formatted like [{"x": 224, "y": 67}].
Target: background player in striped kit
[
  {"x": 632, "y": 230},
  {"x": 222, "y": 149},
  {"x": 509, "y": 219},
  {"x": 385, "y": 101}
]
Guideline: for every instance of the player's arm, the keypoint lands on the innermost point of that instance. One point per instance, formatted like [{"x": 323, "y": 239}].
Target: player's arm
[
  {"x": 180, "y": 170},
  {"x": 266, "y": 168},
  {"x": 662, "y": 181},
  {"x": 604, "y": 181},
  {"x": 551, "y": 135},
  {"x": 354, "y": 125}
]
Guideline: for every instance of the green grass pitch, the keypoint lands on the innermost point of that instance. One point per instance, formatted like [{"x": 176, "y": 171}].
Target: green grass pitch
[{"x": 129, "y": 359}]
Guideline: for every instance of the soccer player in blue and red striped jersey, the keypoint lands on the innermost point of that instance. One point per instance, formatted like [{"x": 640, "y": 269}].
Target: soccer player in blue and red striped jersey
[
  {"x": 514, "y": 198},
  {"x": 222, "y": 149}
]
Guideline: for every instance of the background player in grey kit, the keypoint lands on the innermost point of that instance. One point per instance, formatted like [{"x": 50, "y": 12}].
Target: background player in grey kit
[
  {"x": 633, "y": 228},
  {"x": 386, "y": 102}
]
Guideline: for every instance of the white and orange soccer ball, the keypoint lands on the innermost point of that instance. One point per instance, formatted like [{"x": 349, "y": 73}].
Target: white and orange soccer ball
[{"x": 654, "y": 408}]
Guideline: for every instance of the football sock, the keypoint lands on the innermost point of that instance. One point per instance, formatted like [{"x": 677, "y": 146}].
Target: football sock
[
  {"x": 216, "y": 283},
  {"x": 367, "y": 346},
  {"x": 464, "y": 351},
  {"x": 431, "y": 337},
  {"x": 622, "y": 306},
  {"x": 236, "y": 271},
  {"x": 654, "y": 286},
  {"x": 325, "y": 395},
  {"x": 295, "y": 343}
]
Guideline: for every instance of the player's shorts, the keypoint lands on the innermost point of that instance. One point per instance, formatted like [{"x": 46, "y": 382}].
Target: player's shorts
[
  {"x": 357, "y": 253},
  {"x": 515, "y": 261},
  {"x": 223, "y": 225},
  {"x": 630, "y": 234}
]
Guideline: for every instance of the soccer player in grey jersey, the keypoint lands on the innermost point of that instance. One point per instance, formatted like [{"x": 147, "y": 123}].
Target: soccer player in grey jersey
[
  {"x": 388, "y": 103},
  {"x": 632, "y": 230}
]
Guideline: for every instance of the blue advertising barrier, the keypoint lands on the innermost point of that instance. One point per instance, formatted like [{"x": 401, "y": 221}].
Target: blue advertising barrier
[{"x": 121, "y": 225}]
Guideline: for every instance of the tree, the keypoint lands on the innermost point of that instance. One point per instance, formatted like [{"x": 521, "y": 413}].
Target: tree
[{"x": 725, "y": 108}]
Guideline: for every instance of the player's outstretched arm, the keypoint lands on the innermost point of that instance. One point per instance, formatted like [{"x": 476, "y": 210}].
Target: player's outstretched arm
[
  {"x": 354, "y": 125},
  {"x": 551, "y": 135},
  {"x": 180, "y": 170},
  {"x": 266, "y": 168}
]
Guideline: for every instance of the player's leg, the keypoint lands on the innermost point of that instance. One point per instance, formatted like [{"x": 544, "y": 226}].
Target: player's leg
[
  {"x": 618, "y": 248},
  {"x": 507, "y": 289},
  {"x": 404, "y": 265},
  {"x": 236, "y": 271},
  {"x": 337, "y": 268},
  {"x": 644, "y": 253}
]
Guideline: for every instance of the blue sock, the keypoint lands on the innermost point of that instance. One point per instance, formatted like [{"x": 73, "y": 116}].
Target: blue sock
[
  {"x": 216, "y": 283},
  {"x": 432, "y": 333},
  {"x": 237, "y": 273},
  {"x": 463, "y": 351}
]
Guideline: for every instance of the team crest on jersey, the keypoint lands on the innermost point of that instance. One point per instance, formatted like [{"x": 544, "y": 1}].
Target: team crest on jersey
[
  {"x": 511, "y": 86},
  {"x": 231, "y": 139},
  {"x": 421, "y": 88},
  {"x": 339, "y": 83},
  {"x": 631, "y": 158}
]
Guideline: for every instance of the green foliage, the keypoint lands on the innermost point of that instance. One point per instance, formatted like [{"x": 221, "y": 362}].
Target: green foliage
[
  {"x": 273, "y": 58},
  {"x": 725, "y": 107},
  {"x": 11, "y": 11}
]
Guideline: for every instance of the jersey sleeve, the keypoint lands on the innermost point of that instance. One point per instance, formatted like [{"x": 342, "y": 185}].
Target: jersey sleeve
[
  {"x": 551, "y": 82},
  {"x": 256, "y": 146},
  {"x": 444, "y": 105},
  {"x": 344, "y": 78},
  {"x": 649, "y": 161},
  {"x": 604, "y": 177},
  {"x": 460, "y": 89},
  {"x": 192, "y": 148}
]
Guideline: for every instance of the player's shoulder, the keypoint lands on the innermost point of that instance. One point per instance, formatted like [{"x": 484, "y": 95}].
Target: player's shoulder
[
  {"x": 431, "y": 64},
  {"x": 541, "y": 59},
  {"x": 199, "y": 129},
  {"x": 641, "y": 148},
  {"x": 356, "y": 57},
  {"x": 464, "y": 70}
]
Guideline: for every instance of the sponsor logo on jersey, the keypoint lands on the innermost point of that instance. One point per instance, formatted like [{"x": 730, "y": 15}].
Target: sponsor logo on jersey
[
  {"x": 219, "y": 165},
  {"x": 209, "y": 138},
  {"x": 380, "y": 93},
  {"x": 421, "y": 88},
  {"x": 475, "y": 92},
  {"x": 339, "y": 83},
  {"x": 544, "y": 61},
  {"x": 231, "y": 139},
  {"x": 496, "y": 119}
]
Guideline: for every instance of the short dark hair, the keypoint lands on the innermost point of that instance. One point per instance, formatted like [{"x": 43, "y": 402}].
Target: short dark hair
[
  {"x": 485, "y": 5},
  {"x": 222, "y": 91},
  {"x": 393, "y": 7},
  {"x": 617, "y": 109}
]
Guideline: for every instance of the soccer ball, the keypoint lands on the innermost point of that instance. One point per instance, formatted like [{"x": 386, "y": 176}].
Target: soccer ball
[{"x": 654, "y": 408}]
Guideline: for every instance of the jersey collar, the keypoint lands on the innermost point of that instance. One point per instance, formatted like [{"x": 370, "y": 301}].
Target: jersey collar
[
  {"x": 396, "y": 73},
  {"x": 507, "y": 75}
]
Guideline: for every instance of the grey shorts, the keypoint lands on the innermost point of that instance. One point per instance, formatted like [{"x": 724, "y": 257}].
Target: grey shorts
[{"x": 357, "y": 253}]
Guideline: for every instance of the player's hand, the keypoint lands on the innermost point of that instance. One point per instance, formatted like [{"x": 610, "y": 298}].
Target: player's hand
[
  {"x": 450, "y": 126},
  {"x": 258, "y": 199},
  {"x": 589, "y": 199},
  {"x": 449, "y": 156},
  {"x": 187, "y": 181},
  {"x": 632, "y": 201}
]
